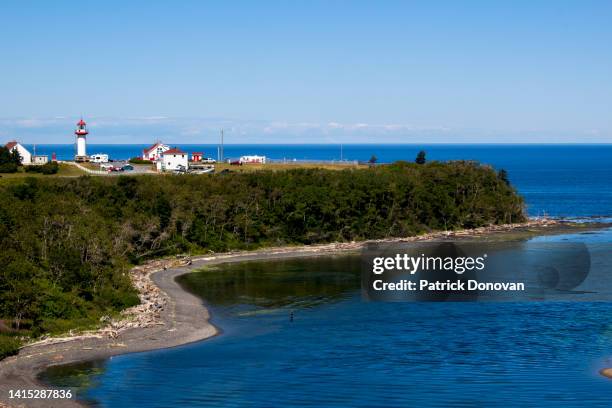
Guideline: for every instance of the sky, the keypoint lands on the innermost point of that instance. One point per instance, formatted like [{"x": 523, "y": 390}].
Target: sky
[{"x": 307, "y": 71}]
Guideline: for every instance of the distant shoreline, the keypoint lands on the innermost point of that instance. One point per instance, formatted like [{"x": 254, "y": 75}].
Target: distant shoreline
[
  {"x": 172, "y": 317},
  {"x": 417, "y": 145}
]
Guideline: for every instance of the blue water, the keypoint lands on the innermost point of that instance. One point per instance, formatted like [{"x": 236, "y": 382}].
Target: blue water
[
  {"x": 558, "y": 180},
  {"x": 340, "y": 351}
]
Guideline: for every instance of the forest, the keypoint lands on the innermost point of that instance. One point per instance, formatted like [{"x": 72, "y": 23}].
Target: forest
[{"x": 67, "y": 244}]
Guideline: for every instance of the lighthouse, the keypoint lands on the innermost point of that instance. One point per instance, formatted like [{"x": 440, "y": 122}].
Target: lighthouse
[{"x": 81, "y": 144}]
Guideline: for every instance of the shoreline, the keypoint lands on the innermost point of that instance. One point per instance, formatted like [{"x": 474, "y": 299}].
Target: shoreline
[{"x": 169, "y": 316}]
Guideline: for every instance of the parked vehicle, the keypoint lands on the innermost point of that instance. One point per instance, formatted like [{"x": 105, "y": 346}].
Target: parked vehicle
[
  {"x": 202, "y": 171},
  {"x": 128, "y": 167},
  {"x": 253, "y": 159},
  {"x": 208, "y": 160},
  {"x": 99, "y": 158},
  {"x": 180, "y": 169}
]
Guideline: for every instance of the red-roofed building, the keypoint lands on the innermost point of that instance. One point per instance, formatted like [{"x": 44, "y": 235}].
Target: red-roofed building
[
  {"x": 26, "y": 156},
  {"x": 173, "y": 160},
  {"x": 196, "y": 157},
  {"x": 154, "y": 152}
]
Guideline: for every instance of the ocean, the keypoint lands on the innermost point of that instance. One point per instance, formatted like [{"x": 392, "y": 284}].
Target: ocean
[
  {"x": 341, "y": 351},
  {"x": 556, "y": 180}
]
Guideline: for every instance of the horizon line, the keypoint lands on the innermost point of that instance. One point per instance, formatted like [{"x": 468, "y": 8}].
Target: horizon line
[{"x": 344, "y": 144}]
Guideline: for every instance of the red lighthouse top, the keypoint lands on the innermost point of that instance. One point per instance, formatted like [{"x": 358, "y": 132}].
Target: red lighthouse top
[{"x": 81, "y": 129}]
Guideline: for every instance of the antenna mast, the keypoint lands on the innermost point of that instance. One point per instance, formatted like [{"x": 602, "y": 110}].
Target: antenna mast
[{"x": 221, "y": 144}]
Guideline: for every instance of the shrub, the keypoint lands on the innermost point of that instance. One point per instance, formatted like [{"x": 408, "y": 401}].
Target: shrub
[
  {"x": 50, "y": 168},
  {"x": 138, "y": 160},
  {"x": 47, "y": 168},
  {"x": 9, "y": 346},
  {"x": 8, "y": 168}
]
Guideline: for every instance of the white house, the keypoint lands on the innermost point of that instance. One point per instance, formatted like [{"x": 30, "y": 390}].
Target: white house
[
  {"x": 253, "y": 159},
  {"x": 154, "y": 152},
  {"x": 40, "y": 159},
  {"x": 26, "y": 156},
  {"x": 173, "y": 159}
]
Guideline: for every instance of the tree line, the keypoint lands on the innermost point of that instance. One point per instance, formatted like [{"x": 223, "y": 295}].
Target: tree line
[{"x": 66, "y": 245}]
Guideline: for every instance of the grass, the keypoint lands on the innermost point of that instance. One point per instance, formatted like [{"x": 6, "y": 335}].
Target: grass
[
  {"x": 65, "y": 170},
  {"x": 287, "y": 166},
  {"x": 91, "y": 166}
]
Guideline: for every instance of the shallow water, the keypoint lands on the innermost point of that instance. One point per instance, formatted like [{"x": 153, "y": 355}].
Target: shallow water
[{"x": 341, "y": 351}]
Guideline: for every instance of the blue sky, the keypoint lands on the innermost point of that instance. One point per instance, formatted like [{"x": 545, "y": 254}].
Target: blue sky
[{"x": 307, "y": 71}]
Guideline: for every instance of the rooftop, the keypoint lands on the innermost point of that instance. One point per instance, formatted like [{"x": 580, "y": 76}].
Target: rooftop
[
  {"x": 11, "y": 144},
  {"x": 174, "y": 150},
  {"x": 148, "y": 149}
]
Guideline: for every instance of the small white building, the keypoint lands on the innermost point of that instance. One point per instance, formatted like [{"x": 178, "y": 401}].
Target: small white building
[
  {"x": 253, "y": 159},
  {"x": 40, "y": 159},
  {"x": 99, "y": 158},
  {"x": 154, "y": 152},
  {"x": 26, "y": 156},
  {"x": 172, "y": 160}
]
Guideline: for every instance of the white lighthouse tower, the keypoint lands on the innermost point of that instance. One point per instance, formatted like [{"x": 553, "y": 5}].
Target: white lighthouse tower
[{"x": 81, "y": 144}]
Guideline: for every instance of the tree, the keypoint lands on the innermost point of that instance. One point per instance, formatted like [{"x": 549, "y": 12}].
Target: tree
[
  {"x": 10, "y": 160},
  {"x": 163, "y": 210},
  {"x": 66, "y": 243},
  {"x": 420, "y": 159},
  {"x": 503, "y": 176},
  {"x": 373, "y": 160}
]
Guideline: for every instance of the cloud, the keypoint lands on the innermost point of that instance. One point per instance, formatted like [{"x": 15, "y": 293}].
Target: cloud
[{"x": 144, "y": 129}]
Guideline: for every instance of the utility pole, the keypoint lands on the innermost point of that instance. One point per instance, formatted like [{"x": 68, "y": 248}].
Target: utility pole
[
  {"x": 341, "y": 152},
  {"x": 221, "y": 145}
]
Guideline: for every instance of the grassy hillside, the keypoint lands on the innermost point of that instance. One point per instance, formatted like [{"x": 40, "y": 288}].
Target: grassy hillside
[{"x": 66, "y": 244}]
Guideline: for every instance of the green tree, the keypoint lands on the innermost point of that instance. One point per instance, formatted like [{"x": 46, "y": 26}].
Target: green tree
[
  {"x": 503, "y": 176},
  {"x": 10, "y": 160},
  {"x": 420, "y": 158}
]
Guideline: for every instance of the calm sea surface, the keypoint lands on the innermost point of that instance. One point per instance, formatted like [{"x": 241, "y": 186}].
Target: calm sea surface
[
  {"x": 559, "y": 180},
  {"x": 340, "y": 351}
]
